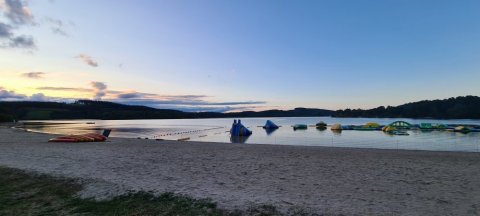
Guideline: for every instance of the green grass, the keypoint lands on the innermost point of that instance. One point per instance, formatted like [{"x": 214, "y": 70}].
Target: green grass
[{"x": 23, "y": 193}]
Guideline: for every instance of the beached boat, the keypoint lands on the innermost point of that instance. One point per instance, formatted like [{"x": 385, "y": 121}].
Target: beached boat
[{"x": 89, "y": 137}]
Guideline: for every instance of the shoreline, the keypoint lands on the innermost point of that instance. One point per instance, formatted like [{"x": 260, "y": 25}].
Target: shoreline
[
  {"x": 227, "y": 143},
  {"x": 323, "y": 179},
  {"x": 206, "y": 131}
]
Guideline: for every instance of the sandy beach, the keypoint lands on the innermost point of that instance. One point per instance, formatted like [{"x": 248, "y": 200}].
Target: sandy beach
[{"x": 319, "y": 179}]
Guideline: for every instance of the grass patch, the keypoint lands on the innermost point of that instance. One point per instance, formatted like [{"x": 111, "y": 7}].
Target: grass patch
[{"x": 23, "y": 193}]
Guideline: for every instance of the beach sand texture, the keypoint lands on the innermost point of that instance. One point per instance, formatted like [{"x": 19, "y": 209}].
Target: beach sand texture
[{"x": 318, "y": 179}]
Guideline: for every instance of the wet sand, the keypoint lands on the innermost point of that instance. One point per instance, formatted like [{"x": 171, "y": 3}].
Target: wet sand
[{"x": 236, "y": 176}]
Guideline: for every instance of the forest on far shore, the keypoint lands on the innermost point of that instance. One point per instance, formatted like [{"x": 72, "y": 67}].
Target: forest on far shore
[{"x": 464, "y": 107}]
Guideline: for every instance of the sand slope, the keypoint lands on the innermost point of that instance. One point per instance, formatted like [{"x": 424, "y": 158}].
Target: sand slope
[{"x": 324, "y": 180}]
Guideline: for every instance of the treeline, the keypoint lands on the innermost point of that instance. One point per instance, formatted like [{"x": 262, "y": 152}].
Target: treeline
[
  {"x": 297, "y": 112},
  {"x": 82, "y": 109},
  {"x": 87, "y": 109},
  {"x": 466, "y": 107}
]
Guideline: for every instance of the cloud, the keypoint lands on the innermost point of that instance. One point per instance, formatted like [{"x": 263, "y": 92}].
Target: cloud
[
  {"x": 19, "y": 15},
  {"x": 129, "y": 95},
  {"x": 39, "y": 97},
  {"x": 17, "y": 12},
  {"x": 9, "y": 40},
  {"x": 99, "y": 89},
  {"x": 98, "y": 85},
  {"x": 184, "y": 97},
  {"x": 88, "y": 60},
  {"x": 133, "y": 94},
  {"x": 174, "y": 101},
  {"x": 185, "y": 105},
  {"x": 57, "y": 26},
  {"x": 48, "y": 88},
  {"x": 207, "y": 108},
  {"x": 10, "y": 95},
  {"x": 23, "y": 41},
  {"x": 191, "y": 103},
  {"x": 5, "y": 30},
  {"x": 34, "y": 75},
  {"x": 6, "y": 95}
]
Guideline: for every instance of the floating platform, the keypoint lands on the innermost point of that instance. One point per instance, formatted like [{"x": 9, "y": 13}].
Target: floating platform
[{"x": 402, "y": 126}]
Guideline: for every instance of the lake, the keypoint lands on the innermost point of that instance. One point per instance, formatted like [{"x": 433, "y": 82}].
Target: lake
[{"x": 216, "y": 130}]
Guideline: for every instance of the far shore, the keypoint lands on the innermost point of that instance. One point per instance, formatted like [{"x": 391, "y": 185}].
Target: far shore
[{"x": 322, "y": 180}]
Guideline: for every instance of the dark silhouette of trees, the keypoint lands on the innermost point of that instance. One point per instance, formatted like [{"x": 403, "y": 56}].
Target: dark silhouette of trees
[
  {"x": 464, "y": 107},
  {"x": 87, "y": 109}
]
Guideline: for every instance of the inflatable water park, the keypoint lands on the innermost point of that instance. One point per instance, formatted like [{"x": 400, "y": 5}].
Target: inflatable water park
[
  {"x": 239, "y": 133},
  {"x": 394, "y": 128},
  {"x": 400, "y": 128}
]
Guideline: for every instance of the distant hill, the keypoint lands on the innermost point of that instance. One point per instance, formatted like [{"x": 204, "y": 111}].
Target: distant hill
[
  {"x": 297, "y": 112},
  {"x": 466, "y": 107},
  {"x": 86, "y": 109}
]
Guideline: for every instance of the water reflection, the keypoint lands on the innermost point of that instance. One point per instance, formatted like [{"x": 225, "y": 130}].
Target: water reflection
[
  {"x": 337, "y": 132},
  {"x": 270, "y": 131},
  {"x": 321, "y": 128},
  {"x": 238, "y": 139},
  {"x": 215, "y": 130}
]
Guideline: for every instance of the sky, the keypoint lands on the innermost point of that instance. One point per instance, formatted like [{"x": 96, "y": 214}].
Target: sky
[{"x": 216, "y": 55}]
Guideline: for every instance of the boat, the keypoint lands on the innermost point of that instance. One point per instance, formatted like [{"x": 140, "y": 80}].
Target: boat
[{"x": 89, "y": 137}]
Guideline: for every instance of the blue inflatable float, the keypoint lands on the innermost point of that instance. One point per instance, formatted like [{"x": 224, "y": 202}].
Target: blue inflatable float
[
  {"x": 270, "y": 125},
  {"x": 239, "y": 130}
]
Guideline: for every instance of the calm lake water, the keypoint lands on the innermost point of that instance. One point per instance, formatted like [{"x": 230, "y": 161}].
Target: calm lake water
[{"x": 216, "y": 130}]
